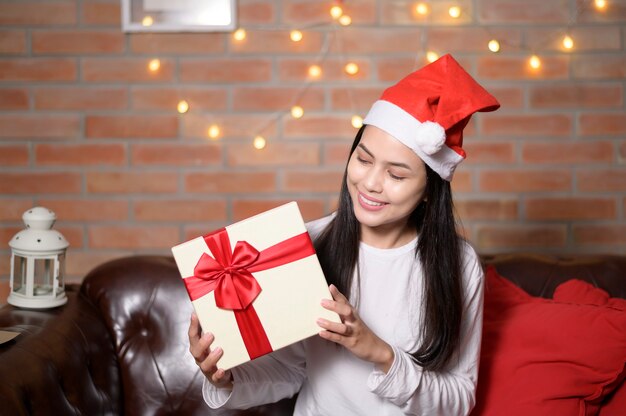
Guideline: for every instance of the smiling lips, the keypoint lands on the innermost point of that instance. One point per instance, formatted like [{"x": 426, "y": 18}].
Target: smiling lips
[{"x": 370, "y": 204}]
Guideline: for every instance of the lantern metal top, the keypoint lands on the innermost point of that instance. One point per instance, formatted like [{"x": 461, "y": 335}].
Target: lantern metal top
[{"x": 38, "y": 237}]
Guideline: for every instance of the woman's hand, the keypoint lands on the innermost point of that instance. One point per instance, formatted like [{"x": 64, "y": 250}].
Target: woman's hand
[
  {"x": 353, "y": 334},
  {"x": 206, "y": 359}
]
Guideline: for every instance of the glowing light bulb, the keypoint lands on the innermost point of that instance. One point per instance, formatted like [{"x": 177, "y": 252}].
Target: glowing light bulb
[
  {"x": 357, "y": 122},
  {"x": 297, "y": 111},
  {"x": 239, "y": 35},
  {"x": 182, "y": 107},
  {"x": 213, "y": 131},
  {"x": 421, "y": 9},
  {"x": 336, "y": 12},
  {"x": 454, "y": 12},
  {"x": 345, "y": 20},
  {"x": 494, "y": 45},
  {"x": 295, "y": 35},
  {"x": 351, "y": 68},
  {"x": 568, "y": 42},
  {"x": 315, "y": 71},
  {"x": 154, "y": 65},
  {"x": 600, "y": 4},
  {"x": 534, "y": 62},
  {"x": 431, "y": 56},
  {"x": 259, "y": 142},
  {"x": 147, "y": 21}
]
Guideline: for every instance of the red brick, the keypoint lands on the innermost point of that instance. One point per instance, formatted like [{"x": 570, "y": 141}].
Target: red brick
[
  {"x": 79, "y": 263},
  {"x": 318, "y": 127},
  {"x": 576, "y": 96},
  {"x": 225, "y": 70},
  {"x": 233, "y": 182},
  {"x": 523, "y": 11},
  {"x": 402, "y": 12},
  {"x": 605, "y": 124},
  {"x": 6, "y": 234},
  {"x": 525, "y": 180},
  {"x": 125, "y": 70},
  {"x": 356, "y": 99},
  {"x": 98, "y": 13},
  {"x": 489, "y": 152},
  {"x": 509, "y": 97},
  {"x": 133, "y": 237},
  {"x": 377, "y": 41},
  {"x": 38, "y": 69},
  {"x": 14, "y": 155},
  {"x": 238, "y": 126},
  {"x": 336, "y": 154},
  {"x": 622, "y": 152},
  {"x": 605, "y": 180},
  {"x": 80, "y": 154},
  {"x": 277, "y": 42},
  {"x": 586, "y": 39},
  {"x": 567, "y": 209},
  {"x": 600, "y": 234},
  {"x": 12, "y": 42},
  {"x": 81, "y": 98},
  {"x": 13, "y": 99},
  {"x": 177, "y": 154},
  {"x": 126, "y": 127},
  {"x": 77, "y": 42},
  {"x": 594, "y": 66},
  {"x": 487, "y": 209},
  {"x": 614, "y": 13},
  {"x": 92, "y": 210},
  {"x": 511, "y": 237},
  {"x": 462, "y": 182},
  {"x": 271, "y": 99},
  {"x": 517, "y": 68},
  {"x": 471, "y": 39},
  {"x": 131, "y": 182},
  {"x": 332, "y": 70},
  {"x": 74, "y": 235},
  {"x": 40, "y": 126},
  {"x": 394, "y": 69},
  {"x": 40, "y": 183},
  {"x": 255, "y": 12},
  {"x": 167, "y": 98},
  {"x": 315, "y": 11},
  {"x": 274, "y": 154},
  {"x": 311, "y": 209},
  {"x": 527, "y": 125},
  {"x": 177, "y": 43},
  {"x": 35, "y": 13},
  {"x": 567, "y": 152},
  {"x": 313, "y": 181},
  {"x": 13, "y": 209},
  {"x": 188, "y": 210}
]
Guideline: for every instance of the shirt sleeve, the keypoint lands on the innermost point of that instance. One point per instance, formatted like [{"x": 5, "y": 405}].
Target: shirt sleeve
[
  {"x": 267, "y": 379},
  {"x": 447, "y": 392}
]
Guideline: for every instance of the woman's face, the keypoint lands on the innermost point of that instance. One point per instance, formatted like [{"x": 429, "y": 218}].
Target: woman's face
[{"x": 386, "y": 181}]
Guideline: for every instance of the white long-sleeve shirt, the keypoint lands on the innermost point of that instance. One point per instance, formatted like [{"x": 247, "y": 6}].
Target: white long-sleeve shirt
[{"x": 332, "y": 381}]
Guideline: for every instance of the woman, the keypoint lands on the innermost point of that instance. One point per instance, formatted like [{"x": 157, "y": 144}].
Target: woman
[{"x": 408, "y": 289}]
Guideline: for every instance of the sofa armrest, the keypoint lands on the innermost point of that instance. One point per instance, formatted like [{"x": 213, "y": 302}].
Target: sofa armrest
[{"x": 61, "y": 363}]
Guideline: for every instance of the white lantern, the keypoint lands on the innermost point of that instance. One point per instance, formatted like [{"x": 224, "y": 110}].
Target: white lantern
[{"x": 38, "y": 262}]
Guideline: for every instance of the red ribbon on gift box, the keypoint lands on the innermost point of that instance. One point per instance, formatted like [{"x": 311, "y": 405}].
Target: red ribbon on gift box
[{"x": 229, "y": 274}]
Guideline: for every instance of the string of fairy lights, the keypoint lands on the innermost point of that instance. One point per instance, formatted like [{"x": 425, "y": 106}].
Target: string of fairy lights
[{"x": 421, "y": 10}]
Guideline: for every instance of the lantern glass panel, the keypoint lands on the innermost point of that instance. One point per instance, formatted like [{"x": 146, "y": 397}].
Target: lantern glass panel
[
  {"x": 19, "y": 274},
  {"x": 43, "y": 275},
  {"x": 61, "y": 275}
]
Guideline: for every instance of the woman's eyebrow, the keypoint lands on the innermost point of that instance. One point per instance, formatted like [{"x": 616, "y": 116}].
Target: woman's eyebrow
[{"x": 397, "y": 164}]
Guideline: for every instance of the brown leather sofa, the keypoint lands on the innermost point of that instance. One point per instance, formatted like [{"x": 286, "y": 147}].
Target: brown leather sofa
[{"x": 120, "y": 346}]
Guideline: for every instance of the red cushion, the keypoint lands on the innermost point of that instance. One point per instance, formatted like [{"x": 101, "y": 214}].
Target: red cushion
[
  {"x": 578, "y": 291},
  {"x": 541, "y": 357}
]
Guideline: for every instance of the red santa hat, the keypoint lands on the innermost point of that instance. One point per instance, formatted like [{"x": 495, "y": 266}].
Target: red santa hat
[{"x": 428, "y": 109}]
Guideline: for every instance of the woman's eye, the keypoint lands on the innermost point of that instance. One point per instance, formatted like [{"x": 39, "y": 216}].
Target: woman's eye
[
  {"x": 361, "y": 160},
  {"x": 395, "y": 177}
]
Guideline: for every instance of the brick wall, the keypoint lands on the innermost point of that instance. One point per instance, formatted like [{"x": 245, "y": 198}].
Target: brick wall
[{"x": 88, "y": 131}]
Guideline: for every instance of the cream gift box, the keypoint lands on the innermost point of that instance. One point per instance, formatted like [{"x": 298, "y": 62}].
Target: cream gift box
[{"x": 256, "y": 284}]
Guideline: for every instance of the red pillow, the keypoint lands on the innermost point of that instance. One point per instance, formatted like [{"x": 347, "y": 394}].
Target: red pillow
[
  {"x": 578, "y": 291},
  {"x": 541, "y": 357}
]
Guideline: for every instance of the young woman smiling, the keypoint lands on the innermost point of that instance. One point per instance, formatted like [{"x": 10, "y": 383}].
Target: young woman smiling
[{"x": 408, "y": 289}]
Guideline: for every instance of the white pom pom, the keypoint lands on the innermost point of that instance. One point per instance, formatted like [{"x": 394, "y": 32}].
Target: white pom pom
[{"x": 430, "y": 137}]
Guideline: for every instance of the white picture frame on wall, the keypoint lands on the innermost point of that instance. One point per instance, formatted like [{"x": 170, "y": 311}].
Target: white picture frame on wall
[{"x": 179, "y": 15}]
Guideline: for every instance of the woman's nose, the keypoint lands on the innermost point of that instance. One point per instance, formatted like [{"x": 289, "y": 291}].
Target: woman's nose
[{"x": 373, "y": 180}]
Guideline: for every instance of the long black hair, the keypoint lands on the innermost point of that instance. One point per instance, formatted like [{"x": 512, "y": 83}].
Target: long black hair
[{"x": 438, "y": 250}]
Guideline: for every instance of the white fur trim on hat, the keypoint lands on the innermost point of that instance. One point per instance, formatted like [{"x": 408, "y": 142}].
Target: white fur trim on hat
[{"x": 426, "y": 139}]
